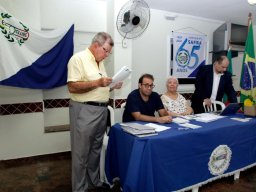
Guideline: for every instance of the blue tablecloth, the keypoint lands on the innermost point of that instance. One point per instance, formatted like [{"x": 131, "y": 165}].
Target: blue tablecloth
[{"x": 176, "y": 159}]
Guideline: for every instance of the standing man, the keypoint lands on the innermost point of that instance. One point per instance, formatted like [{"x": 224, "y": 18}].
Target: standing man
[
  {"x": 89, "y": 92},
  {"x": 212, "y": 81},
  {"x": 142, "y": 103}
]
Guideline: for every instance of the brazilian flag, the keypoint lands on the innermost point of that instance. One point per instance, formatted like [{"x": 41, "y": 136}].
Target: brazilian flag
[{"x": 248, "y": 78}]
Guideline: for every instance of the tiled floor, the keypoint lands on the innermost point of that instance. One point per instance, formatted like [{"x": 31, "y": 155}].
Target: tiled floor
[
  {"x": 52, "y": 174},
  {"x": 37, "y": 175}
]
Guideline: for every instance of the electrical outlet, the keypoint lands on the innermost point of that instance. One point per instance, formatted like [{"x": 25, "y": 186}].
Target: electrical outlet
[{"x": 124, "y": 43}]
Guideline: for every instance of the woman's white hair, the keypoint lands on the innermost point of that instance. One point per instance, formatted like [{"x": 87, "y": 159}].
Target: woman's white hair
[{"x": 172, "y": 77}]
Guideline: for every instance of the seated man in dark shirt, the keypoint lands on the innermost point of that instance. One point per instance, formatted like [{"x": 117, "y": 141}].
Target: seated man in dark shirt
[{"x": 142, "y": 103}]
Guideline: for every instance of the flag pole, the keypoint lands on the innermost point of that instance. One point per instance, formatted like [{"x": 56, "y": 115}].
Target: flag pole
[
  {"x": 229, "y": 54},
  {"x": 229, "y": 45},
  {"x": 249, "y": 20}
]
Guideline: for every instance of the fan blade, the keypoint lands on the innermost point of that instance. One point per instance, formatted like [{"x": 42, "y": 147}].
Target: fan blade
[
  {"x": 127, "y": 28},
  {"x": 143, "y": 22},
  {"x": 126, "y": 18},
  {"x": 140, "y": 12}
]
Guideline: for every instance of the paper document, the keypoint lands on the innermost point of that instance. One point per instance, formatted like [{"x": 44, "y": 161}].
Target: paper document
[
  {"x": 241, "y": 119},
  {"x": 191, "y": 126},
  {"x": 121, "y": 75},
  {"x": 137, "y": 126},
  {"x": 179, "y": 120},
  {"x": 138, "y": 129},
  {"x": 158, "y": 128},
  {"x": 189, "y": 117},
  {"x": 208, "y": 117}
]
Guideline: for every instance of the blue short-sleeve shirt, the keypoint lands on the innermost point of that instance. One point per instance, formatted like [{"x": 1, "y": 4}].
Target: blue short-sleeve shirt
[{"x": 135, "y": 103}]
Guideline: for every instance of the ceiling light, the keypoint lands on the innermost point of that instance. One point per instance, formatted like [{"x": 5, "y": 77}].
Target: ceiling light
[{"x": 252, "y": 2}]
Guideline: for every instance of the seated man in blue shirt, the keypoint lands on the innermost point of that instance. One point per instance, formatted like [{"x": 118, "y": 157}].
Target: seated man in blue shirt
[{"x": 142, "y": 103}]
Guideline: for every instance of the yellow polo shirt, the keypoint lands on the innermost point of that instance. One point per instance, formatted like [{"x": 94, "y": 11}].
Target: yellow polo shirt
[{"x": 83, "y": 67}]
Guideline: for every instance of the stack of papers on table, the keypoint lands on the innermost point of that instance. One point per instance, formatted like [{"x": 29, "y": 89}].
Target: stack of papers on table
[
  {"x": 207, "y": 117},
  {"x": 190, "y": 126},
  {"x": 158, "y": 128},
  {"x": 138, "y": 130},
  {"x": 184, "y": 122},
  {"x": 179, "y": 120},
  {"x": 189, "y": 117}
]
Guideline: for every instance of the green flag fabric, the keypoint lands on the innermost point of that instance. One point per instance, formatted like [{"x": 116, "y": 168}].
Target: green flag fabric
[
  {"x": 229, "y": 56},
  {"x": 248, "y": 79}
]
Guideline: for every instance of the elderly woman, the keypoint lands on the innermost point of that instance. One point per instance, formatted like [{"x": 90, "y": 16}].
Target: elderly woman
[{"x": 175, "y": 103}]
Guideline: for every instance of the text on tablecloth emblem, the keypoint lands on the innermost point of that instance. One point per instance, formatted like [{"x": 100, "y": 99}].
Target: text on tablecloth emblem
[{"x": 219, "y": 160}]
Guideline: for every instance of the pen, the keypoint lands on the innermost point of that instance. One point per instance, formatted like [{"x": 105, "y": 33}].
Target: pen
[
  {"x": 181, "y": 128},
  {"x": 101, "y": 74}
]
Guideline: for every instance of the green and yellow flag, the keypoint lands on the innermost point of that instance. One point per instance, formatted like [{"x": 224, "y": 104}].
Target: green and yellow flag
[{"x": 248, "y": 79}]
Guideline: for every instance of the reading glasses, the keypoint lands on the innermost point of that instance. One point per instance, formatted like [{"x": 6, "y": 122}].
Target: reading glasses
[
  {"x": 106, "y": 51},
  {"x": 148, "y": 85}
]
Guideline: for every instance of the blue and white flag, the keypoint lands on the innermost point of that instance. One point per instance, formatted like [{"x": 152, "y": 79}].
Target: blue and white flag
[
  {"x": 189, "y": 52},
  {"x": 30, "y": 58}
]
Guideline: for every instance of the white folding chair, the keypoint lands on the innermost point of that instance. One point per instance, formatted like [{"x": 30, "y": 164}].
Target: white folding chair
[
  {"x": 123, "y": 105},
  {"x": 104, "y": 145},
  {"x": 214, "y": 107}
]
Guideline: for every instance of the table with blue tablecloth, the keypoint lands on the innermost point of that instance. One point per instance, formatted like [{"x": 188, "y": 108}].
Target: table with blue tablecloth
[{"x": 178, "y": 159}]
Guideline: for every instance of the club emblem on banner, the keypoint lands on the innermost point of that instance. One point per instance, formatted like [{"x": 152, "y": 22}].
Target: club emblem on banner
[
  {"x": 182, "y": 58},
  {"x": 11, "y": 32},
  {"x": 189, "y": 51},
  {"x": 219, "y": 160}
]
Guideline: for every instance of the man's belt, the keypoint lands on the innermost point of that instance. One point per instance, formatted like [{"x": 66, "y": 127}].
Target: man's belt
[{"x": 96, "y": 103}]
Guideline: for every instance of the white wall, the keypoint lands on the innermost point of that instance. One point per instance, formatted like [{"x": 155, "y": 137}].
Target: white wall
[
  {"x": 23, "y": 135},
  {"x": 87, "y": 15},
  {"x": 150, "y": 50},
  {"x": 28, "y": 11}
]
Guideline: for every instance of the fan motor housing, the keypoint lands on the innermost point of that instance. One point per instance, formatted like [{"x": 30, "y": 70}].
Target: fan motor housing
[{"x": 135, "y": 20}]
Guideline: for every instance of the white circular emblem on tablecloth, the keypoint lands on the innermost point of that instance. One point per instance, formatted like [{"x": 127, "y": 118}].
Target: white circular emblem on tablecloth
[{"x": 219, "y": 160}]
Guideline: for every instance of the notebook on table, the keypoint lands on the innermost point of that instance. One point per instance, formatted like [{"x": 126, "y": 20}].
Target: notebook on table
[{"x": 231, "y": 108}]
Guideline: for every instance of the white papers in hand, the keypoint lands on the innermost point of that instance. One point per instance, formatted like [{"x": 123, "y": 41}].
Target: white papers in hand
[{"x": 121, "y": 75}]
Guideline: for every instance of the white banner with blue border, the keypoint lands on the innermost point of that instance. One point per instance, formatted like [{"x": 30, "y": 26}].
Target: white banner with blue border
[
  {"x": 189, "y": 52},
  {"x": 31, "y": 58}
]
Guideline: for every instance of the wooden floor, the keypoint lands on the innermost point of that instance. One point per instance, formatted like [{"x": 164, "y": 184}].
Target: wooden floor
[{"x": 53, "y": 174}]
